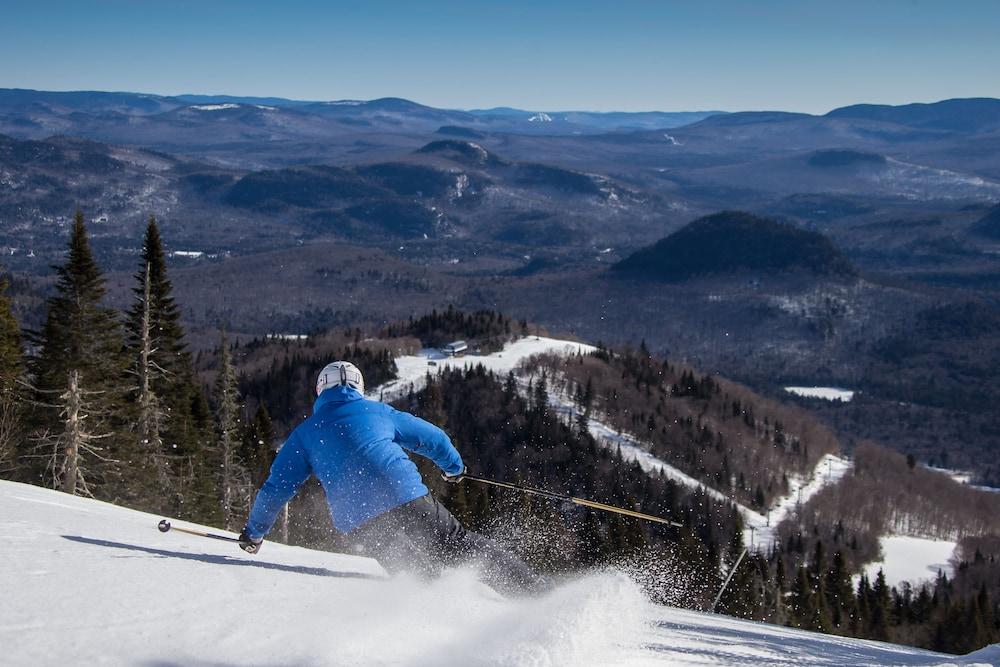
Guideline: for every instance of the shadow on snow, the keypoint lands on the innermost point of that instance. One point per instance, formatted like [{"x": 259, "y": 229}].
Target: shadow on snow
[{"x": 224, "y": 560}]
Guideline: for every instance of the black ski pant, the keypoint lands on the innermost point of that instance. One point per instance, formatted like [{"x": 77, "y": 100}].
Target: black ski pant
[{"x": 423, "y": 537}]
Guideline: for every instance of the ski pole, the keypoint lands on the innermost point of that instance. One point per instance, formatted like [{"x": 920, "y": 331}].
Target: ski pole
[
  {"x": 164, "y": 526},
  {"x": 579, "y": 501},
  {"x": 722, "y": 590}
]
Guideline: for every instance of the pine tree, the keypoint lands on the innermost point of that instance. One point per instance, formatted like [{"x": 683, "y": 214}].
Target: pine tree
[
  {"x": 172, "y": 377},
  {"x": 258, "y": 447},
  {"x": 11, "y": 377},
  {"x": 879, "y": 626},
  {"x": 80, "y": 353},
  {"x": 839, "y": 593},
  {"x": 172, "y": 421}
]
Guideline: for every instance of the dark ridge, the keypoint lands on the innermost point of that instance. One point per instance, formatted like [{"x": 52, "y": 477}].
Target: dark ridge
[
  {"x": 403, "y": 218},
  {"x": 556, "y": 178},
  {"x": 458, "y": 131},
  {"x": 462, "y": 151},
  {"x": 410, "y": 179},
  {"x": 314, "y": 187},
  {"x": 843, "y": 158},
  {"x": 962, "y": 115},
  {"x": 734, "y": 241},
  {"x": 748, "y": 118},
  {"x": 820, "y": 207}
]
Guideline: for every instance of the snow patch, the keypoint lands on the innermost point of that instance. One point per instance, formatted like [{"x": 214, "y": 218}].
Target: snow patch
[
  {"x": 412, "y": 370},
  {"x": 540, "y": 118},
  {"x": 826, "y": 393},
  {"x": 912, "y": 559},
  {"x": 215, "y": 107}
]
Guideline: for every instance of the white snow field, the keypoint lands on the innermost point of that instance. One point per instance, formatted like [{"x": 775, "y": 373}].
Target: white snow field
[
  {"x": 413, "y": 369},
  {"x": 88, "y": 583},
  {"x": 912, "y": 559},
  {"x": 826, "y": 393}
]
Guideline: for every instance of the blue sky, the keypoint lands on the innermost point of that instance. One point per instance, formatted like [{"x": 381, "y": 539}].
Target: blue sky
[{"x": 798, "y": 55}]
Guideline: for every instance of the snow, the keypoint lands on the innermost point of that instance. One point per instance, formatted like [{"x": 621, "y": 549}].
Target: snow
[
  {"x": 758, "y": 528},
  {"x": 826, "y": 393},
  {"x": 89, "y": 583},
  {"x": 540, "y": 118},
  {"x": 215, "y": 107},
  {"x": 413, "y": 369},
  {"x": 759, "y": 531},
  {"x": 194, "y": 254},
  {"x": 912, "y": 559}
]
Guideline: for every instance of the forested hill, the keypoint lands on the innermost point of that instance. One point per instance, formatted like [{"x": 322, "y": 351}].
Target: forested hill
[
  {"x": 734, "y": 241},
  {"x": 718, "y": 432}
]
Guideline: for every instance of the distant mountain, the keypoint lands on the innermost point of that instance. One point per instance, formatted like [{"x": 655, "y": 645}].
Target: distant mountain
[
  {"x": 734, "y": 241},
  {"x": 18, "y": 99},
  {"x": 978, "y": 114},
  {"x": 234, "y": 99},
  {"x": 750, "y": 118},
  {"x": 603, "y": 120},
  {"x": 989, "y": 224}
]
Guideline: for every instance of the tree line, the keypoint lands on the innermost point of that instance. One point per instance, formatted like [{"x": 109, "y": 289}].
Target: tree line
[{"x": 107, "y": 404}]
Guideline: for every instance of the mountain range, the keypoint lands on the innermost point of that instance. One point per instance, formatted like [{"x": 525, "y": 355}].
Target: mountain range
[{"x": 372, "y": 210}]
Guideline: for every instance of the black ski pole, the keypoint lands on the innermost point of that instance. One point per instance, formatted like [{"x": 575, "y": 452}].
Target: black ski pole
[
  {"x": 579, "y": 501},
  {"x": 164, "y": 526}
]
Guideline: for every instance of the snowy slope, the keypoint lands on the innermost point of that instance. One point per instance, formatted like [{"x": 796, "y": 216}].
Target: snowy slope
[
  {"x": 90, "y": 583},
  {"x": 912, "y": 559},
  {"x": 759, "y": 533},
  {"x": 413, "y": 369}
]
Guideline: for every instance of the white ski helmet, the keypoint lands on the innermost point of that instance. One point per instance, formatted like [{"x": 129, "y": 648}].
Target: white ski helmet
[{"x": 337, "y": 373}]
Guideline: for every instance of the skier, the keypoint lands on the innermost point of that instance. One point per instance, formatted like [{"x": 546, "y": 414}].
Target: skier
[{"x": 377, "y": 498}]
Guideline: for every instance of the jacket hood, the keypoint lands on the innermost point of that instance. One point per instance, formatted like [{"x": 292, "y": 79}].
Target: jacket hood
[{"x": 339, "y": 394}]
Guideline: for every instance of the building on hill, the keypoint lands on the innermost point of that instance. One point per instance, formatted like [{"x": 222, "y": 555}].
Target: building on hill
[{"x": 456, "y": 348}]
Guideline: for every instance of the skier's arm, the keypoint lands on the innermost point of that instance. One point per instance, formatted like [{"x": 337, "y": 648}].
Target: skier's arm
[
  {"x": 428, "y": 440},
  {"x": 289, "y": 470}
]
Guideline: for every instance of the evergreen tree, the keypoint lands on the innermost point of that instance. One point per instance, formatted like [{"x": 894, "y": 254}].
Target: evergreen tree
[
  {"x": 879, "y": 625},
  {"x": 158, "y": 316},
  {"x": 173, "y": 423},
  {"x": 258, "y": 447},
  {"x": 81, "y": 345},
  {"x": 839, "y": 594}
]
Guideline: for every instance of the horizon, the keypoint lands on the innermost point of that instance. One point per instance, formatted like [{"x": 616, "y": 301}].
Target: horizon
[
  {"x": 259, "y": 97},
  {"x": 727, "y": 55}
]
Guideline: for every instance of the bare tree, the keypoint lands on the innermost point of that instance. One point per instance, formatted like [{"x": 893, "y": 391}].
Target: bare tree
[
  {"x": 151, "y": 417},
  {"x": 10, "y": 428},
  {"x": 233, "y": 478},
  {"x": 71, "y": 453}
]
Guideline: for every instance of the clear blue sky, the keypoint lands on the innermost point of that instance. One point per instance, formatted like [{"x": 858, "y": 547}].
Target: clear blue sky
[{"x": 799, "y": 55}]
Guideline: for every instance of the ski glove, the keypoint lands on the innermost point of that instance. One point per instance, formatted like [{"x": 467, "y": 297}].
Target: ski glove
[
  {"x": 249, "y": 545},
  {"x": 454, "y": 478}
]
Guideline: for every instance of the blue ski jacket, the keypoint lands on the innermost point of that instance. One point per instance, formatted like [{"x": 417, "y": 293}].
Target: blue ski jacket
[{"x": 354, "y": 446}]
